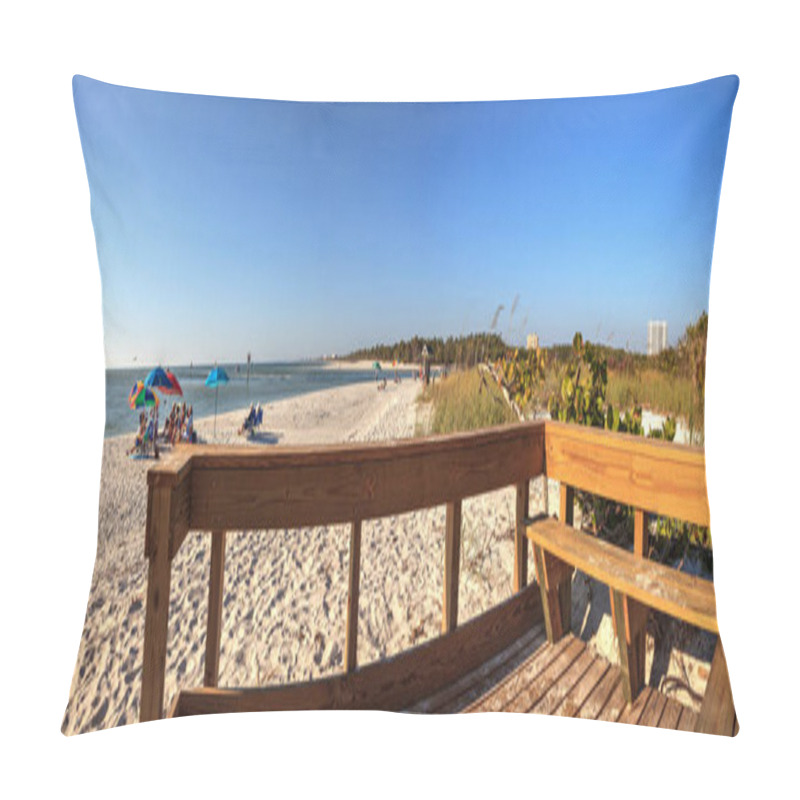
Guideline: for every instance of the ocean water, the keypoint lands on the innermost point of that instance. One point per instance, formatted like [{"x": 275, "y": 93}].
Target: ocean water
[{"x": 268, "y": 382}]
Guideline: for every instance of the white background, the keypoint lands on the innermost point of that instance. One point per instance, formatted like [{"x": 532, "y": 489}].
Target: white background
[{"x": 53, "y": 384}]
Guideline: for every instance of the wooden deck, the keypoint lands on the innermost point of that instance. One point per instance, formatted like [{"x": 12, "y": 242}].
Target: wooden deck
[
  {"x": 565, "y": 679},
  {"x": 511, "y": 658}
]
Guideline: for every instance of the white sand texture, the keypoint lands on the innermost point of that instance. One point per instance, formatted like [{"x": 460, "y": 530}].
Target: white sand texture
[{"x": 285, "y": 591}]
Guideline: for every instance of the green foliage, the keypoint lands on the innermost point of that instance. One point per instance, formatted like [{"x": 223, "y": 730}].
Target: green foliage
[
  {"x": 521, "y": 371},
  {"x": 582, "y": 400},
  {"x": 461, "y": 351}
]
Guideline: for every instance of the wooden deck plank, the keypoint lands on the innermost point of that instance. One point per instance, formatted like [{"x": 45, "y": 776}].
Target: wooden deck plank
[
  {"x": 688, "y": 720},
  {"x": 576, "y": 697},
  {"x": 536, "y": 688},
  {"x": 552, "y": 698},
  {"x": 615, "y": 704},
  {"x": 477, "y": 691},
  {"x": 633, "y": 711},
  {"x": 672, "y": 712},
  {"x": 597, "y": 699},
  {"x": 485, "y": 676},
  {"x": 655, "y": 708},
  {"x": 510, "y": 687}
]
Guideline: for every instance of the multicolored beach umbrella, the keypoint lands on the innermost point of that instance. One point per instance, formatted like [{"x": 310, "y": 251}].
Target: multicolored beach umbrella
[
  {"x": 141, "y": 396},
  {"x": 176, "y": 387},
  {"x": 216, "y": 378},
  {"x": 164, "y": 381}
]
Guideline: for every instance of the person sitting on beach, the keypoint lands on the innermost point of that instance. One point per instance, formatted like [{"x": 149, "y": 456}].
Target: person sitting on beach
[
  {"x": 139, "y": 439},
  {"x": 249, "y": 420},
  {"x": 190, "y": 437}
]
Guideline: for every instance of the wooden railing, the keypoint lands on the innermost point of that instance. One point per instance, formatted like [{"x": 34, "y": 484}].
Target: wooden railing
[{"x": 217, "y": 489}]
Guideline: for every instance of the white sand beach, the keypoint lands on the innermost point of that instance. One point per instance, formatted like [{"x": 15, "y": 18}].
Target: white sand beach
[{"x": 285, "y": 590}]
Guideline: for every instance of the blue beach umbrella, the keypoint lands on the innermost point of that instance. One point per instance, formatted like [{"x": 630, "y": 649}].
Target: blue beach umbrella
[
  {"x": 216, "y": 378},
  {"x": 157, "y": 379}
]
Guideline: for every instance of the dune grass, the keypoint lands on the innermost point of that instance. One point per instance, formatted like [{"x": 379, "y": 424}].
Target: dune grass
[
  {"x": 650, "y": 388},
  {"x": 465, "y": 401}
]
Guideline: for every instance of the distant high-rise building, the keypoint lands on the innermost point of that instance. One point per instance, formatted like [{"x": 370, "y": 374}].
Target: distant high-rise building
[
  {"x": 656, "y": 337},
  {"x": 533, "y": 341}
]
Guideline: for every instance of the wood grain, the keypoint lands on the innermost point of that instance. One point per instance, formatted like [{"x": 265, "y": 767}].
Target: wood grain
[
  {"x": 577, "y": 696},
  {"x": 216, "y": 583},
  {"x": 686, "y": 597},
  {"x": 554, "y": 577},
  {"x": 293, "y": 488},
  {"x": 659, "y": 477},
  {"x": 354, "y": 573},
  {"x": 452, "y": 562},
  {"x": 154, "y": 658},
  {"x": 717, "y": 714},
  {"x": 520, "y": 539}
]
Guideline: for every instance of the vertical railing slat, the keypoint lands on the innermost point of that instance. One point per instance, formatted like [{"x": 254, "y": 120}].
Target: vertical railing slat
[
  {"x": 351, "y": 635},
  {"x": 452, "y": 560},
  {"x": 520, "y": 539},
  {"x": 216, "y": 583}
]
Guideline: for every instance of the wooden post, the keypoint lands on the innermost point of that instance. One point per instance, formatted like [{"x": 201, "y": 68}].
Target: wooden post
[
  {"x": 520, "y": 539},
  {"x": 452, "y": 559},
  {"x": 351, "y": 634},
  {"x": 216, "y": 583},
  {"x": 154, "y": 659},
  {"x": 630, "y": 620},
  {"x": 553, "y": 575},
  {"x": 717, "y": 714},
  {"x": 566, "y": 513}
]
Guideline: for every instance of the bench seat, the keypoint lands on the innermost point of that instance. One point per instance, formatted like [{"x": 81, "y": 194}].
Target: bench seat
[
  {"x": 636, "y": 585},
  {"x": 654, "y": 585}
]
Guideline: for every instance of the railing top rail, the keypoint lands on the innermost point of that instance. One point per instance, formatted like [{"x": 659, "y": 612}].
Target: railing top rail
[{"x": 185, "y": 457}]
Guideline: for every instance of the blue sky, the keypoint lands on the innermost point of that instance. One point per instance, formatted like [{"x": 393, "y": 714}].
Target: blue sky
[{"x": 293, "y": 230}]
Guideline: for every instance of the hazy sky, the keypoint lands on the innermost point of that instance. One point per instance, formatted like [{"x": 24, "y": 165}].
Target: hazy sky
[{"x": 293, "y": 230}]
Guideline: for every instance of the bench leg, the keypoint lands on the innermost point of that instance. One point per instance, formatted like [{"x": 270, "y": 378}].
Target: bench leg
[
  {"x": 630, "y": 623},
  {"x": 555, "y": 582}
]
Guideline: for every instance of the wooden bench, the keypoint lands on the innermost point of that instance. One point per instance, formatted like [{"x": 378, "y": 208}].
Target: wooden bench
[{"x": 636, "y": 585}]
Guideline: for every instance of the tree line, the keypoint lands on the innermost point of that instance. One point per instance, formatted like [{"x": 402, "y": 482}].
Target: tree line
[{"x": 461, "y": 351}]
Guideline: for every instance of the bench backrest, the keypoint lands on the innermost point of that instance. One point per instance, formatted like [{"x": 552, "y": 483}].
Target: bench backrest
[{"x": 657, "y": 477}]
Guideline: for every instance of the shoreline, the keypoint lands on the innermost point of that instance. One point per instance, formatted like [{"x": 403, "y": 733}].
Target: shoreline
[{"x": 365, "y": 364}]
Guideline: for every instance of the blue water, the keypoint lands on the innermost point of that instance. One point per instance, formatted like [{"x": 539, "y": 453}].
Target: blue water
[{"x": 268, "y": 382}]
